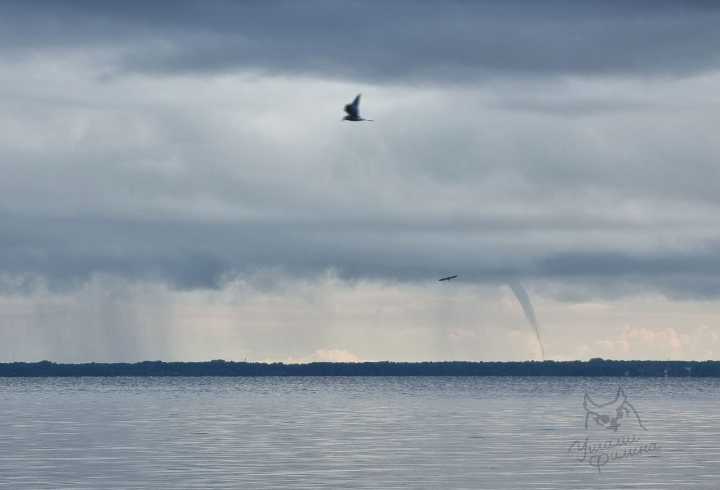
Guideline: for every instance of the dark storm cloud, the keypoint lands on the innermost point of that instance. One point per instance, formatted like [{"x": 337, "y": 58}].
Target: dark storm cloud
[
  {"x": 66, "y": 253},
  {"x": 680, "y": 275},
  {"x": 378, "y": 41},
  {"x": 195, "y": 180}
]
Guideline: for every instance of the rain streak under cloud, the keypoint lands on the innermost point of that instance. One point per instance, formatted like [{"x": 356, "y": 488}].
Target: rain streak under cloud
[{"x": 165, "y": 176}]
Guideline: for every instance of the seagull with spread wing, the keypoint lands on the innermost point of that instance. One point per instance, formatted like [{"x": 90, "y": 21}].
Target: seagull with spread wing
[{"x": 353, "y": 111}]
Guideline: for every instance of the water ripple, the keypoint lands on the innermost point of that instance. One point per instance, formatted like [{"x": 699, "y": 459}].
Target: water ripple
[{"x": 424, "y": 433}]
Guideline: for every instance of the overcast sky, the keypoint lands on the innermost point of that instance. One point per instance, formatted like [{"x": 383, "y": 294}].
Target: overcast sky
[{"x": 175, "y": 183}]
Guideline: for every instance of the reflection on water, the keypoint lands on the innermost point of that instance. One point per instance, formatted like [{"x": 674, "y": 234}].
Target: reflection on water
[{"x": 379, "y": 433}]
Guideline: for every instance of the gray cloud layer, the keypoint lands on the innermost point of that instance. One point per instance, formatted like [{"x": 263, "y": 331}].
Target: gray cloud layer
[
  {"x": 379, "y": 41},
  {"x": 571, "y": 141}
]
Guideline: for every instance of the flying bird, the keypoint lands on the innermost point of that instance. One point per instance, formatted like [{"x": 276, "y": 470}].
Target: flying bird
[
  {"x": 353, "y": 111},
  {"x": 447, "y": 278}
]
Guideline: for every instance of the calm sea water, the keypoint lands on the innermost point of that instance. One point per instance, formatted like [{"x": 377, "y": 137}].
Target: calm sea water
[{"x": 374, "y": 433}]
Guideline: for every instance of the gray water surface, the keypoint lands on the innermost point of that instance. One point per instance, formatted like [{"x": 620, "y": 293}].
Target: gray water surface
[{"x": 374, "y": 433}]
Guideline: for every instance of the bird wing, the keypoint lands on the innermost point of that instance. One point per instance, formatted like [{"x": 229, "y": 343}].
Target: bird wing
[{"x": 353, "y": 109}]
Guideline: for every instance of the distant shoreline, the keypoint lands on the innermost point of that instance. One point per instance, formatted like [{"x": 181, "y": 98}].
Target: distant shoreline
[{"x": 591, "y": 368}]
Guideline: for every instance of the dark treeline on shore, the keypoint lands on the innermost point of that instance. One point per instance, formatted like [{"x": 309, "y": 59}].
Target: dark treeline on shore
[{"x": 593, "y": 367}]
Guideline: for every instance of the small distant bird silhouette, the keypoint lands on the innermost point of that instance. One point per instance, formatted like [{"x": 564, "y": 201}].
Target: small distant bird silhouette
[{"x": 353, "y": 111}]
